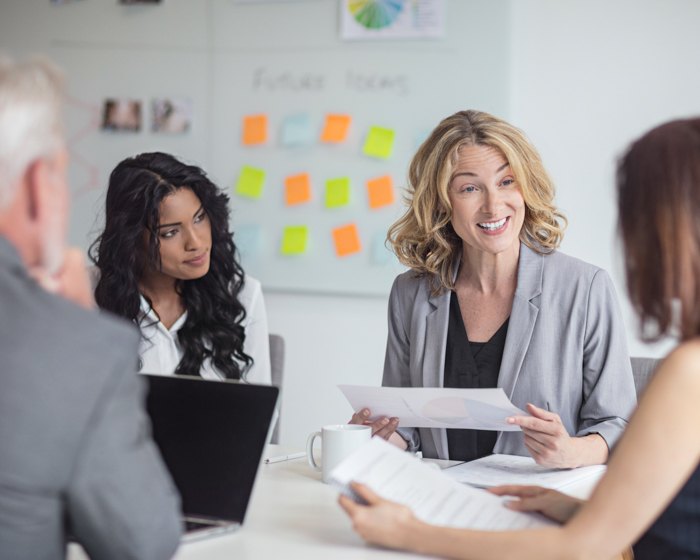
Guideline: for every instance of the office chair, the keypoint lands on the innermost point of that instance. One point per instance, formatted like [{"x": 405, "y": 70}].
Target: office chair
[
  {"x": 642, "y": 370},
  {"x": 277, "y": 370}
]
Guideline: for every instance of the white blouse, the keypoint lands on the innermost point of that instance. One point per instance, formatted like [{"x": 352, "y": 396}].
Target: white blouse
[{"x": 160, "y": 352}]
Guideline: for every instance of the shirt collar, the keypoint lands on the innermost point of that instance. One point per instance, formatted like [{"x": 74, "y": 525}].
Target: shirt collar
[{"x": 147, "y": 312}]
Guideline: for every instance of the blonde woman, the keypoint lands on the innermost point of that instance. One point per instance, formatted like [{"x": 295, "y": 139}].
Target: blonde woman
[
  {"x": 489, "y": 302},
  {"x": 650, "y": 494}
]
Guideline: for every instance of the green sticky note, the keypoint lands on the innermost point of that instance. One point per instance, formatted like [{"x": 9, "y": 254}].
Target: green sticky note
[
  {"x": 379, "y": 142},
  {"x": 250, "y": 182},
  {"x": 337, "y": 192},
  {"x": 294, "y": 240}
]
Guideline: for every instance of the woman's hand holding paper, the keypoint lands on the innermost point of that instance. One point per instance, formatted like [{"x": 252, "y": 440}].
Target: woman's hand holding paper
[
  {"x": 550, "y": 445},
  {"x": 384, "y": 428},
  {"x": 380, "y": 522}
]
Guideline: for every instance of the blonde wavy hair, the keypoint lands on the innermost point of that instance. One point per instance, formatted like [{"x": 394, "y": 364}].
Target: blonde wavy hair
[{"x": 424, "y": 240}]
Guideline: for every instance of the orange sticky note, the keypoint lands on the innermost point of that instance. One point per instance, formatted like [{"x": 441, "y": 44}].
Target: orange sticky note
[
  {"x": 381, "y": 191},
  {"x": 336, "y": 128},
  {"x": 297, "y": 189},
  {"x": 347, "y": 240},
  {"x": 254, "y": 130}
]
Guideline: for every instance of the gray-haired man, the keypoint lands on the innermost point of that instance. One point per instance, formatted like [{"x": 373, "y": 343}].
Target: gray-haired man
[{"x": 76, "y": 454}]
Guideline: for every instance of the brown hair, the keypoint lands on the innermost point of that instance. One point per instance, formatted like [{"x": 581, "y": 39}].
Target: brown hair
[
  {"x": 658, "y": 184},
  {"x": 423, "y": 239}
]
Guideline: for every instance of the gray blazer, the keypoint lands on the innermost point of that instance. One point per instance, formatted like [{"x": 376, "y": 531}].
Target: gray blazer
[
  {"x": 76, "y": 455},
  {"x": 565, "y": 351}
]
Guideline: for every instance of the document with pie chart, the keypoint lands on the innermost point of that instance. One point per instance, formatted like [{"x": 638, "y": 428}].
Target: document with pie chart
[{"x": 421, "y": 407}]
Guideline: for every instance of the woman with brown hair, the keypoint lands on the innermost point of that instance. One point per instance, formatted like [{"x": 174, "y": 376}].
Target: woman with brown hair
[
  {"x": 489, "y": 302},
  {"x": 651, "y": 491}
]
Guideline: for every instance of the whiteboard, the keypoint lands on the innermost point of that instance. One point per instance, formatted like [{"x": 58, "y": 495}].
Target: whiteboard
[{"x": 278, "y": 59}]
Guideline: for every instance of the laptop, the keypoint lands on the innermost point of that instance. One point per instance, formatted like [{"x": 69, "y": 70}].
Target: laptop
[{"x": 211, "y": 435}]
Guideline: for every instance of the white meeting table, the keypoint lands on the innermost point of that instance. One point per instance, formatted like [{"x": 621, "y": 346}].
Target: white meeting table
[{"x": 292, "y": 514}]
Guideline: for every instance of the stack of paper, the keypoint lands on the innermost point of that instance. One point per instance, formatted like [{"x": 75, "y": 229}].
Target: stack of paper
[
  {"x": 496, "y": 470},
  {"x": 433, "y": 497}
]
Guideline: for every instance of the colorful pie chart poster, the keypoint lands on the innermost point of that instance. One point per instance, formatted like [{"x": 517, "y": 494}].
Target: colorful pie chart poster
[{"x": 376, "y": 20}]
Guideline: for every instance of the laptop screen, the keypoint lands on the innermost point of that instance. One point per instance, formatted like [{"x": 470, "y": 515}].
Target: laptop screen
[{"x": 211, "y": 435}]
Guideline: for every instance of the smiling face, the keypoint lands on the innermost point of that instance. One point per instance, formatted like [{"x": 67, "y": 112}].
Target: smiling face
[
  {"x": 488, "y": 209},
  {"x": 184, "y": 232}
]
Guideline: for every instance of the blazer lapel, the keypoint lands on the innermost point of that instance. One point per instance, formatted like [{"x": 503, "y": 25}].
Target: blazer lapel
[
  {"x": 436, "y": 323},
  {"x": 522, "y": 317}
]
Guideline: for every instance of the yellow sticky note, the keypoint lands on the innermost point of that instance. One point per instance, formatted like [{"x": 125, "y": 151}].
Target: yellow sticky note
[
  {"x": 297, "y": 189},
  {"x": 336, "y": 128},
  {"x": 346, "y": 240},
  {"x": 337, "y": 192},
  {"x": 294, "y": 240},
  {"x": 250, "y": 182},
  {"x": 381, "y": 191},
  {"x": 379, "y": 142},
  {"x": 254, "y": 130}
]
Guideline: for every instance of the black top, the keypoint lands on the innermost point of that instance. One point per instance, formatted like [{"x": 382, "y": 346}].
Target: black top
[
  {"x": 471, "y": 365},
  {"x": 676, "y": 534}
]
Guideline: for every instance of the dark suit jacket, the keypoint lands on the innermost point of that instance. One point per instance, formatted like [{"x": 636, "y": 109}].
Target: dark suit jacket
[{"x": 75, "y": 448}]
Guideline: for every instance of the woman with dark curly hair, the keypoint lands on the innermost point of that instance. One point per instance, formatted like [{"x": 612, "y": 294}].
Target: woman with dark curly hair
[{"x": 167, "y": 262}]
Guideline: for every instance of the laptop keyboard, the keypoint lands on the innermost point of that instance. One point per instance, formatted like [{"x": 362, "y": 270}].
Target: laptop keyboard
[{"x": 196, "y": 525}]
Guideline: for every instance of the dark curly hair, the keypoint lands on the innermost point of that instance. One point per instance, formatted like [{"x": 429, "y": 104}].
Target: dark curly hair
[{"x": 214, "y": 315}]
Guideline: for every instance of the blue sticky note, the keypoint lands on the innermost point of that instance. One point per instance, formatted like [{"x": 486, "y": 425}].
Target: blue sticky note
[
  {"x": 249, "y": 239},
  {"x": 297, "y": 130},
  {"x": 380, "y": 254},
  {"x": 420, "y": 137}
]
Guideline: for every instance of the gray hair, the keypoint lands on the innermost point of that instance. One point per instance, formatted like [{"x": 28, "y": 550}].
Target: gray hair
[{"x": 31, "y": 120}]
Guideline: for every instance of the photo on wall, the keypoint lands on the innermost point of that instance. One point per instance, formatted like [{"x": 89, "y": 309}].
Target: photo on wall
[
  {"x": 171, "y": 116},
  {"x": 121, "y": 115}
]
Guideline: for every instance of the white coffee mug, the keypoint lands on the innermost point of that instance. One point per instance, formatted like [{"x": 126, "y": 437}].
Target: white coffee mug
[{"x": 337, "y": 442}]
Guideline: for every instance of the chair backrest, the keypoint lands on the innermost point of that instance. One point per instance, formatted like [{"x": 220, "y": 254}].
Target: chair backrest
[
  {"x": 277, "y": 371},
  {"x": 642, "y": 370}
]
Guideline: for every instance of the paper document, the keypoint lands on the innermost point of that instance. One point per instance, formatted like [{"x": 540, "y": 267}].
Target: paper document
[
  {"x": 420, "y": 407},
  {"x": 495, "y": 470},
  {"x": 433, "y": 497}
]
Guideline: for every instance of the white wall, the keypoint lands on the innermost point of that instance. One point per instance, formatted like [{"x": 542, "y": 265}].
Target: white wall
[
  {"x": 330, "y": 340},
  {"x": 588, "y": 77}
]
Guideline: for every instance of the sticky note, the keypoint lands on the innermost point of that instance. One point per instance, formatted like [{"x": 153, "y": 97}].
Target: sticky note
[
  {"x": 248, "y": 239},
  {"x": 297, "y": 189},
  {"x": 294, "y": 240},
  {"x": 380, "y": 253},
  {"x": 336, "y": 128},
  {"x": 380, "y": 191},
  {"x": 379, "y": 142},
  {"x": 346, "y": 240},
  {"x": 250, "y": 182},
  {"x": 296, "y": 130},
  {"x": 337, "y": 192},
  {"x": 420, "y": 137},
  {"x": 254, "y": 130}
]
